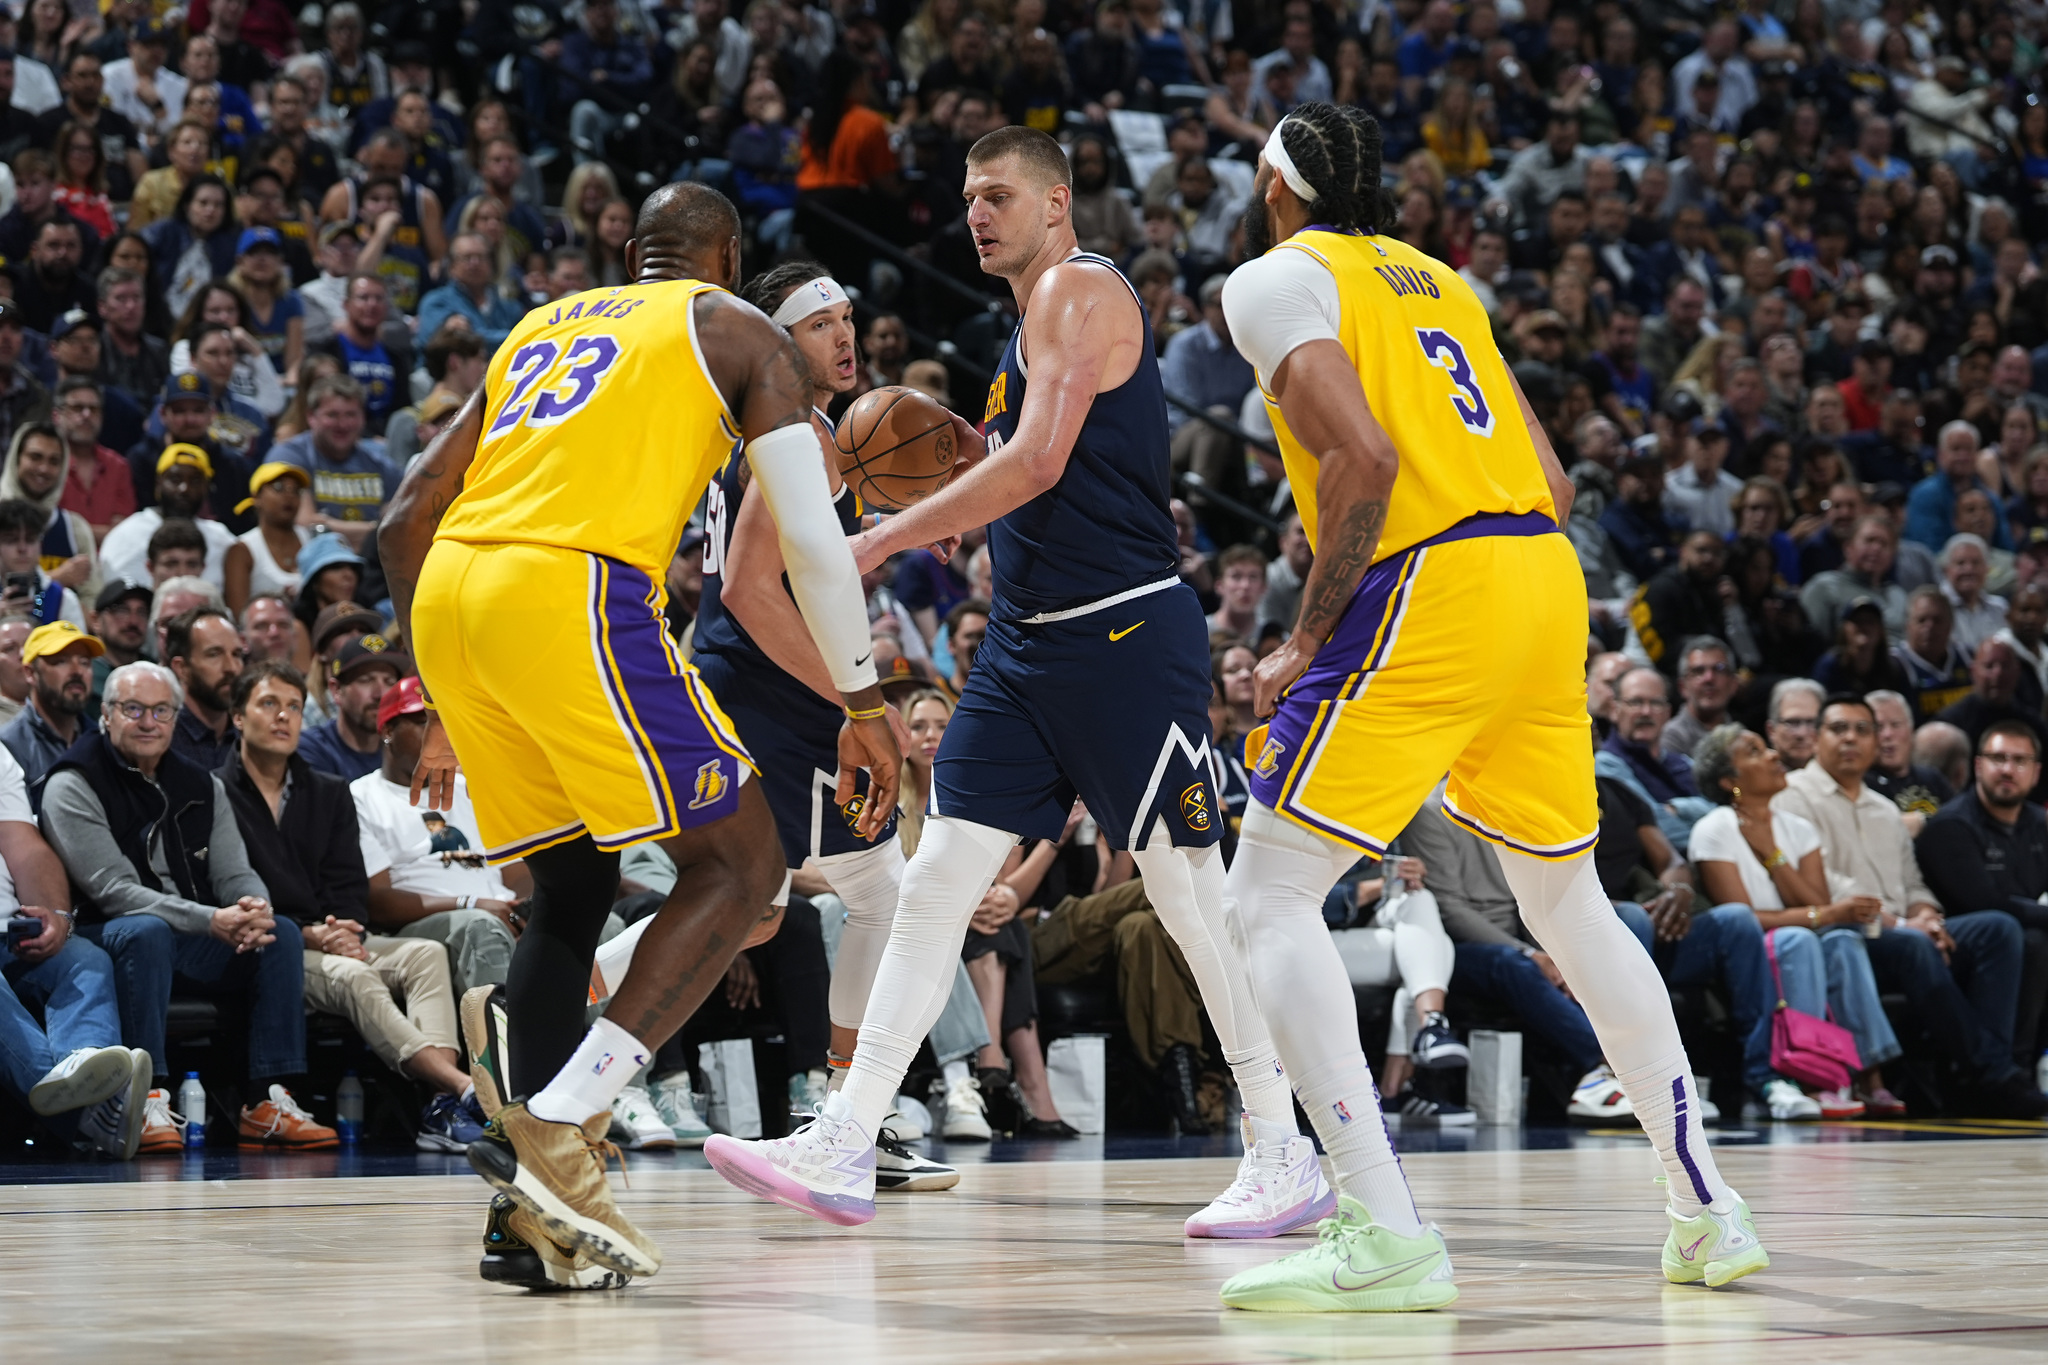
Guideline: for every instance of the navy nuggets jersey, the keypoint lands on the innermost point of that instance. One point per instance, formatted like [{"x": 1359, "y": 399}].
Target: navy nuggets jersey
[
  {"x": 1106, "y": 526},
  {"x": 1087, "y": 588},
  {"x": 791, "y": 731}
]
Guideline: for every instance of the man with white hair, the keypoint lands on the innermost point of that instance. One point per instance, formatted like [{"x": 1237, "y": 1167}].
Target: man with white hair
[
  {"x": 1931, "y": 507},
  {"x": 1965, "y": 564},
  {"x": 1897, "y": 775},
  {"x": 176, "y": 597},
  {"x": 1793, "y": 724},
  {"x": 172, "y": 895}
]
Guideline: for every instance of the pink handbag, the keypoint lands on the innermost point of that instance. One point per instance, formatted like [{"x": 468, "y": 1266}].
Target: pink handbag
[{"x": 1815, "y": 1052}]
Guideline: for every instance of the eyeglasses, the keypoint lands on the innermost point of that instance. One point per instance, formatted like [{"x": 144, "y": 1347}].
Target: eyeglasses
[
  {"x": 2008, "y": 760},
  {"x": 161, "y": 713},
  {"x": 1797, "y": 723}
]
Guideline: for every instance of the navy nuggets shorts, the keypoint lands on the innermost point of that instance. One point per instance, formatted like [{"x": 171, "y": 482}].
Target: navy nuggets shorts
[
  {"x": 1112, "y": 706},
  {"x": 792, "y": 734}
]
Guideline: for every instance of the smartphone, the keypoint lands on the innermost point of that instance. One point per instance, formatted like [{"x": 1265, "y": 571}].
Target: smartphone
[
  {"x": 22, "y": 583},
  {"x": 22, "y": 929}
]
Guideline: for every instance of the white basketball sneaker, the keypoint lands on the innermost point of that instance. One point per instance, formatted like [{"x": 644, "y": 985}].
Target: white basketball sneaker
[
  {"x": 1279, "y": 1188},
  {"x": 825, "y": 1169},
  {"x": 966, "y": 1113}
]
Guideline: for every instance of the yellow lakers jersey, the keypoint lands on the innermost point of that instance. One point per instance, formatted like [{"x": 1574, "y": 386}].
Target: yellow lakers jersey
[
  {"x": 601, "y": 430},
  {"x": 1424, "y": 350}
]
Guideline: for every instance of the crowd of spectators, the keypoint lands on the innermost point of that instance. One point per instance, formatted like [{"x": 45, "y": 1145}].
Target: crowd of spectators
[{"x": 1767, "y": 274}]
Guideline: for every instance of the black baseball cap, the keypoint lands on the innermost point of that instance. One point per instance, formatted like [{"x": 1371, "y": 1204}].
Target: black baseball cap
[{"x": 118, "y": 590}]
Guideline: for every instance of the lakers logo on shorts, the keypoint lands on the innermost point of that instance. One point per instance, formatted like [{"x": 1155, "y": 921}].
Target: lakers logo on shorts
[
  {"x": 711, "y": 784},
  {"x": 852, "y": 809},
  {"x": 1268, "y": 750},
  {"x": 1194, "y": 807}
]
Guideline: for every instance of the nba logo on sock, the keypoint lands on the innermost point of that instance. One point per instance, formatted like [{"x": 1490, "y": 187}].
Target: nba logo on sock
[
  {"x": 603, "y": 1064},
  {"x": 1343, "y": 1114}
]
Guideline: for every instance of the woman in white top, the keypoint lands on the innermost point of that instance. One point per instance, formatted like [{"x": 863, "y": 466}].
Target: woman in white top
[
  {"x": 1770, "y": 860},
  {"x": 264, "y": 560},
  {"x": 254, "y": 379}
]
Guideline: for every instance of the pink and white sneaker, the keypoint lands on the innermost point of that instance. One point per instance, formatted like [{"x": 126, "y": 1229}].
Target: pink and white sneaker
[
  {"x": 1279, "y": 1188},
  {"x": 825, "y": 1168}
]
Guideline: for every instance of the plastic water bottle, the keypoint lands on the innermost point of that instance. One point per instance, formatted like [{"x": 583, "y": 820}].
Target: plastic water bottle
[
  {"x": 348, "y": 1108},
  {"x": 192, "y": 1108}
]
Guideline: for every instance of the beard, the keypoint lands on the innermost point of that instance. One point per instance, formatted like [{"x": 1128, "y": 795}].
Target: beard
[
  {"x": 1258, "y": 231},
  {"x": 213, "y": 696}
]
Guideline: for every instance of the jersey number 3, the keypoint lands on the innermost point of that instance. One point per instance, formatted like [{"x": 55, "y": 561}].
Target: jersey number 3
[
  {"x": 563, "y": 388},
  {"x": 1444, "y": 352}
]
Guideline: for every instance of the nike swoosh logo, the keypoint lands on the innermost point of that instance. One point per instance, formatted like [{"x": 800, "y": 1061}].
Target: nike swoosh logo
[
  {"x": 1687, "y": 1252},
  {"x": 1116, "y": 635},
  {"x": 1337, "y": 1275},
  {"x": 863, "y": 658}
]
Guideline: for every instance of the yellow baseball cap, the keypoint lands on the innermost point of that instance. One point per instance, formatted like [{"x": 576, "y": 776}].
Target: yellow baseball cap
[
  {"x": 270, "y": 472},
  {"x": 179, "y": 452},
  {"x": 57, "y": 637}
]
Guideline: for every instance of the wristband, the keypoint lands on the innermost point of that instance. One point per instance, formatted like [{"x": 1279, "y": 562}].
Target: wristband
[
  {"x": 875, "y": 714},
  {"x": 1813, "y": 914},
  {"x": 1777, "y": 859},
  {"x": 465, "y": 903}
]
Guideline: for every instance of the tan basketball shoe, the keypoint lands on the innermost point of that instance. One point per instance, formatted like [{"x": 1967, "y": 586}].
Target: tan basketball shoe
[
  {"x": 556, "y": 1171},
  {"x": 518, "y": 1252},
  {"x": 483, "y": 1041}
]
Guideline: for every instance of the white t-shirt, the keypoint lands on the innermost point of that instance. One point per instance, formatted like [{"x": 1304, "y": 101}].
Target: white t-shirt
[
  {"x": 1282, "y": 300},
  {"x": 13, "y": 806},
  {"x": 125, "y": 553},
  {"x": 397, "y": 839},
  {"x": 1718, "y": 838}
]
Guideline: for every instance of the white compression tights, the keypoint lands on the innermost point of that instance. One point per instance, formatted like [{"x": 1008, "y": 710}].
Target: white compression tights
[
  {"x": 1277, "y": 885},
  {"x": 956, "y": 862},
  {"x": 1625, "y": 1001},
  {"x": 869, "y": 881},
  {"x": 1185, "y": 887}
]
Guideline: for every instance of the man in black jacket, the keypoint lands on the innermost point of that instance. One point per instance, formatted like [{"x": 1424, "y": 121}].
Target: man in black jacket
[
  {"x": 300, "y": 829},
  {"x": 1986, "y": 852}
]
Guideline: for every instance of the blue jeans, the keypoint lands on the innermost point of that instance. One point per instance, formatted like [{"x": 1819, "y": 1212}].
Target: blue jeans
[
  {"x": 1852, "y": 995},
  {"x": 75, "y": 987},
  {"x": 149, "y": 957},
  {"x": 1504, "y": 974},
  {"x": 1724, "y": 947},
  {"x": 1968, "y": 1005}
]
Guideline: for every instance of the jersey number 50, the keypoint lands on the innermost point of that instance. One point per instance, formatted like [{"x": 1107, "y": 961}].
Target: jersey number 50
[
  {"x": 563, "y": 388},
  {"x": 1445, "y": 352}
]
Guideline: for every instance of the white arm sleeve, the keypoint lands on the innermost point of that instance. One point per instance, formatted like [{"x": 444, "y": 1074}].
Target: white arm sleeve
[
  {"x": 1282, "y": 300},
  {"x": 789, "y": 468}
]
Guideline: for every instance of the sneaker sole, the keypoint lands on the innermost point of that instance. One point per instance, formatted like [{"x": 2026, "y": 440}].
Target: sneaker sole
[
  {"x": 499, "y": 1165},
  {"x": 1301, "y": 1215},
  {"x": 100, "y": 1077},
  {"x": 922, "y": 1182},
  {"x": 257, "y": 1144},
  {"x": 1717, "y": 1273},
  {"x": 651, "y": 1145},
  {"x": 476, "y": 1045},
  {"x": 1415, "y": 1299},
  {"x": 1441, "y": 1060},
  {"x": 436, "y": 1142},
  {"x": 765, "y": 1180},
  {"x": 137, "y": 1105},
  {"x": 968, "y": 1132}
]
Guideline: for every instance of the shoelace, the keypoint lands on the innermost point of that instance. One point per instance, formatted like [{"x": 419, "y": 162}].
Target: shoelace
[
  {"x": 604, "y": 1151},
  {"x": 157, "y": 1110},
  {"x": 971, "y": 1090}
]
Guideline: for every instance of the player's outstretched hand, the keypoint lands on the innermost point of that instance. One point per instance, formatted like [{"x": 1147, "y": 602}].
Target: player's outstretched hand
[
  {"x": 870, "y": 744},
  {"x": 1275, "y": 674},
  {"x": 435, "y": 775}
]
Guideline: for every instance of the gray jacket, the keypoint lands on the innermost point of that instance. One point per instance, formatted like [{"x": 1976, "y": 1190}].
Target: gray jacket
[
  {"x": 1472, "y": 894},
  {"x": 75, "y": 823}
]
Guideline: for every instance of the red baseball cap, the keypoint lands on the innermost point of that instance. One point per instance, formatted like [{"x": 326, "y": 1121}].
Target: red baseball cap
[{"x": 404, "y": 698}]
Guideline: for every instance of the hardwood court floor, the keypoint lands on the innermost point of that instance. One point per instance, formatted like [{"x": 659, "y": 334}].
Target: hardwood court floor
[{"x": 1939, "y": 1250}]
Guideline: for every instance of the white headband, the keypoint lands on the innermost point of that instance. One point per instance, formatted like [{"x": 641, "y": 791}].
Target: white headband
[
  {"x": 1277, "y": 158},
  {"x": 810, "y": 297}
]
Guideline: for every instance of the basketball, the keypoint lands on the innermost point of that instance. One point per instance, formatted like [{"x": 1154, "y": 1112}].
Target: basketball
[{"x": 896, "y": 447}]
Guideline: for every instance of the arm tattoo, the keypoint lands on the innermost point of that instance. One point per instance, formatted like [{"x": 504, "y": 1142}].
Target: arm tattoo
[{"x": 1348, "y": 544}]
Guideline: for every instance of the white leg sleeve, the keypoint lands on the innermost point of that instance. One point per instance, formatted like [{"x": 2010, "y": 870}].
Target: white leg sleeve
[
  {"x": 869, "y": 882},
  {"x": 955, "y": 863},
  {"x": 1625, "y": 1001},
  {"x": 1368, "y": 955},
  {"x": 1277, "y": 884},
  {"x": 1422, "y": 950},
  {"x": 1185, "y": 887}
]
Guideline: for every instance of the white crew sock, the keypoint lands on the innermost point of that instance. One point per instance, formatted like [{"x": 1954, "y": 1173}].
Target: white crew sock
[
  {"x": 1185, "y": 887},
  {"x": 1277, "y": 886},
  {"x": 955, "y": 863},
  {"x": 1625, "y": 1001},
  {"x": 604, "y": 1063},
  {"x": 869, "y": 882},
  {"x": 956, "y": 1070}
]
